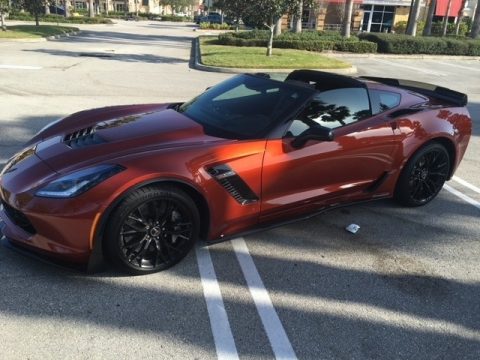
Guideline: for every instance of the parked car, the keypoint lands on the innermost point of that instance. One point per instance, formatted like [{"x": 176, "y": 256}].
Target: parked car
[
  {"x": 212, "y": 19},
  {"x": 140, "y": 184}
]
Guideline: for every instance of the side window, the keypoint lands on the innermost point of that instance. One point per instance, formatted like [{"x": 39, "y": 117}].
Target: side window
[
  {"x": 384, "y": 100},
  {"x": 333, "y": 109}
]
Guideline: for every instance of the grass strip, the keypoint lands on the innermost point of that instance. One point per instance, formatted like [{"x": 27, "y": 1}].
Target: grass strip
[
  {"x": 33, "y": 32},
  {"x": 254, "y": 57}
]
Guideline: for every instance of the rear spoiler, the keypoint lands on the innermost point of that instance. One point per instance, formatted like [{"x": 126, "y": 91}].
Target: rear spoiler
[{"x": 438, "y": 92}]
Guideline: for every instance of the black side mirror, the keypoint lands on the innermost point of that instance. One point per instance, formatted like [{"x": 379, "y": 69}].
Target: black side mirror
[{"x": 319, "y": 133}]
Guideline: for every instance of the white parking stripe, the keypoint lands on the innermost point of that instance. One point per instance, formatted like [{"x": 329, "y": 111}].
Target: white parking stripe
[
  {"x": 426, "y": 71},
  {"x": 222, "y": 333},
  {"x": 273, "y": 327},
  {"x": 20, "y": 67},
  {"x": 466, "y": 184},
  {"x": 462, "y": 196},
  {"x": 458, "y": 66}
]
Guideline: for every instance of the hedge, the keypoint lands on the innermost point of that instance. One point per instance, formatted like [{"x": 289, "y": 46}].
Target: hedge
[
  {"x": 311, "y": 45},
  {"x": 404, "y": 44},
  {"x": 60, "y": 19}
]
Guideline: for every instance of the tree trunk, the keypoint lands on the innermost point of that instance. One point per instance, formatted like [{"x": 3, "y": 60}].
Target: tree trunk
[
  {"x": 427, "y": 30},
  {"x": 278, "y": 27},
  {"x": 476, "y": 24},
  {"x": 2, "y": 21},
  {"x": 91, "y": 12},
  {"x": 47, "y": 8},
  {"x": 412, "y": 24},
  {"x": 107, "y": 4},
  {"x": 67, "y": 10},
  {"x": 347, "y": 19},
  {"x": 445, "y": 19},
  {"x": 271, "y": 27},
  {"x": 298, "y": 18},
  {"x": 37, "y": 21},
  {"x": 460, "y": 17}
]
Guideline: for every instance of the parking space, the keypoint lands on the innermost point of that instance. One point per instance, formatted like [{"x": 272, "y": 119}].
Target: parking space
[{"x": 406, "y": 286}]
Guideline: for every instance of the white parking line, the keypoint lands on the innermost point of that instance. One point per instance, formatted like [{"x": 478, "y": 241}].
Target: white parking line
[
  {"x": 462, "y": 196},
  {"x": 458, "y": 66},
  {"x": 426, "y": 71},
  {"x": 20, "y": 67},
  {"x": 271, "y": 322},
  {"x": 222, "y": 333},
  {"x": 466, "y": 184}
]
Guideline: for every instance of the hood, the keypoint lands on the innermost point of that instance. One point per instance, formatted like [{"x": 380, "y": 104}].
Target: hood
[{"x": 95, "y": 136}]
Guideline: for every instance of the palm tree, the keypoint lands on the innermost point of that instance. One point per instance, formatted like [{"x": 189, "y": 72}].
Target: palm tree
[
  {"x": 445, "y": 18},
  {"x": 413, "y": 18},
  {"x": 476, "y": 24},
  {"x": 347, "y": 19},
  {"x": 427, "y": 30}
]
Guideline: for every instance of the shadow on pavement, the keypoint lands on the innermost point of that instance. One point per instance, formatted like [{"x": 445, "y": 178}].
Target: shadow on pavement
[{"x": 140, "y": 58}]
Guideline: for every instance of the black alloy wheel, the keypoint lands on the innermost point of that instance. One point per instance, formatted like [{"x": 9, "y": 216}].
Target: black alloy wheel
[
  {"x": 423, "y": 176},
  {"x": 152, "y": 230}
]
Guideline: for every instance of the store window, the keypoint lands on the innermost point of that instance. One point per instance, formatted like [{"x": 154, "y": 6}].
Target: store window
[{"x": 378, "y": 18}]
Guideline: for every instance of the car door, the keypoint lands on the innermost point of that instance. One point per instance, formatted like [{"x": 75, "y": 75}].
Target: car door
[{"x": 319, "y": 173}]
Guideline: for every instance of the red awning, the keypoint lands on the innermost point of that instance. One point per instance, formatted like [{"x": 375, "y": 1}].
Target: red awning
[{"x": 442, "y": 5}]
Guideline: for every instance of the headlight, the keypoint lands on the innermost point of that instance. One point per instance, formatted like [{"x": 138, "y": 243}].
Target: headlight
[{"x": 78, "y": 182}]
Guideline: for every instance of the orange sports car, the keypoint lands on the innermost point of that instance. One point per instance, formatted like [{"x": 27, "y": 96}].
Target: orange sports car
[{"x": 139, "y": 185}]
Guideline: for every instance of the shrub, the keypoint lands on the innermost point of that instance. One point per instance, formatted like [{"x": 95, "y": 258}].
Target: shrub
[
  {"x": 404, "y": 44},
  {"x": 319, "y": 44},
  {"x": 60, "y": 19},
  {"x": 175, "y": 18},
  {"x": 213, "y": 26}
]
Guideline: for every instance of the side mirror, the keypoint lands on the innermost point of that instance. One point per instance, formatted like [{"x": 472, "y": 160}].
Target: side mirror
[{"x": 319, "y": 133}]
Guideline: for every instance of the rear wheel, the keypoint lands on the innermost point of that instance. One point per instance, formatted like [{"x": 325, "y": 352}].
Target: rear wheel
[
  {"x": 152, "y": 229},
  {"x": 423, "y": 176}
]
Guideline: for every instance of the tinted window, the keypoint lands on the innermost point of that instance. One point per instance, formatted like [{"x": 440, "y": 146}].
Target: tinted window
[
  {"x": 333, "y": 109},
  {"x": 245, "y": 107},
  {"x": 383, "y": 100}
]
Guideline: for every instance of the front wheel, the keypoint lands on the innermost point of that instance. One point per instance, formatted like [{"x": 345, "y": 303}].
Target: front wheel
[
  {"x": 151, "y": 230},
  {"x": 423, "y": 176}
]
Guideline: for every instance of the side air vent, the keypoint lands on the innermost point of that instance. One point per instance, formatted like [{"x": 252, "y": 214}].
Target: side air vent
[
  {"x": 233, "y": 183},
  {"x": 82, "y": 138}
]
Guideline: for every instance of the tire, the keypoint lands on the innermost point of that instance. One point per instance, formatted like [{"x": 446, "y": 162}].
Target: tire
[
  {"x": 423, "y": 176},
  {"x": 151, "y": 230}
]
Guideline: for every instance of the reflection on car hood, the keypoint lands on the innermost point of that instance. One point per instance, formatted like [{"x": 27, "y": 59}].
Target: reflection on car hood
[{"x": 117, "y": 136}]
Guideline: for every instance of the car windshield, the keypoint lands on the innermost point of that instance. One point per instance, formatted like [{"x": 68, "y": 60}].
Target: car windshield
[{"x": 245, "y": 106}]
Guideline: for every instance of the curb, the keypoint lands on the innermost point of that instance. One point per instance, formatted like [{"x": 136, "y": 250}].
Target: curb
[
  {"x": 55, "y": 37},
  {"x": 197, "y": 64}
]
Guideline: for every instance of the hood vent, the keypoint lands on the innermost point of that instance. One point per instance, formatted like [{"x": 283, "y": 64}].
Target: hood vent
[
  {"x": 83, "y": 138},
  {"x": 233, "y": 183}
]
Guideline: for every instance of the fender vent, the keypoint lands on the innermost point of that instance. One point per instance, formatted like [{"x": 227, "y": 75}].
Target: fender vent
[
  {"x": 82, "y": 138},
  {"x": 233, "y": 183}
]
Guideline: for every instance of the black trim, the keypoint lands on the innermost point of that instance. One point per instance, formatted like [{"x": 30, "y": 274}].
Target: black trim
[
  {"x": 438, "y": 92},
  {"x": 377, "y": 183},
  {"x": 18, "y": 218},
  {"x": 273, "y": 225}
]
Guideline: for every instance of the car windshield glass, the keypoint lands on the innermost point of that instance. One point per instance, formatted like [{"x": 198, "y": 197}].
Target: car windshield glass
[{"x": 245, "y": 106}]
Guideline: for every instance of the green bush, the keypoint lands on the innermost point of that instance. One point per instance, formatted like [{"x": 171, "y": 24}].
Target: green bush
[
  {"x": 404, "y": 44},
  {"x": 437, "y": 28},
  {"x": 60, "y": 19},
  {"x": 319, "y": 44},
  {"x": 175, "y": 18},
  {"x": 213, "y": 26}
]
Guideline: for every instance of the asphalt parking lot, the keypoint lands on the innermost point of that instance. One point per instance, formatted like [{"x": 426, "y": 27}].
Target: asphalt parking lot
[{"x": 406, "y": 286}]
